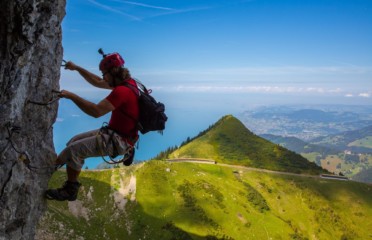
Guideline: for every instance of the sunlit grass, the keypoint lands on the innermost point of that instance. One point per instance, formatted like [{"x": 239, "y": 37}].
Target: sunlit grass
[
  {"x": 194, "y": 201},
  {"x": 364, "y": 142}
]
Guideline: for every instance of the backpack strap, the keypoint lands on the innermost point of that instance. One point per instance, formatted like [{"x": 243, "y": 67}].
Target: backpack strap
[{"x": 136, "y": 92}]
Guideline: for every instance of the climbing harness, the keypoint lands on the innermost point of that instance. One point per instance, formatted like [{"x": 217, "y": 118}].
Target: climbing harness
[
  {"x": 103, "y": 145},
  {"x": 52, "y": 100}
]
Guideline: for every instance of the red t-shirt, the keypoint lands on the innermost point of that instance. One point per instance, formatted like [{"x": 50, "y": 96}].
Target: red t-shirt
[{"x": 124, "y": 100}]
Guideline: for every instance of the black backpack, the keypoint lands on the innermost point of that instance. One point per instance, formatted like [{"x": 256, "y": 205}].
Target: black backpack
[{"x": 151, "y": 112}]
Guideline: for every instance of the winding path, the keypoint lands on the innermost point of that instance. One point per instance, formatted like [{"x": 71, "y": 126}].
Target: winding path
[{"x": 211, "y": 161}]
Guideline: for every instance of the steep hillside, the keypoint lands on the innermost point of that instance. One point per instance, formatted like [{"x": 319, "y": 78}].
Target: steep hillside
[
  {"x": 159, "y": 200},
  {"x": 297, "y": 145},
  {"x": 229, "y": 141},
  {"x": 359, "y": 141},
  {"x": 349, "y": 161},
  {"x": 364, "y": 175}
]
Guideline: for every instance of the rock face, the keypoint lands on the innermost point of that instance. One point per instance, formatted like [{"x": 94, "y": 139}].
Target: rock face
[{"x": 31, "y": 55}]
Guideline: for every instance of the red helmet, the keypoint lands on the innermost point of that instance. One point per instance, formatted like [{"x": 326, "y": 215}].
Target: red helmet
[{"x": 111, "y": 60}]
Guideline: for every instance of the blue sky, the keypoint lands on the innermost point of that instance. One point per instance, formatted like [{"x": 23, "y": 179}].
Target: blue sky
[
  {"x": 208, "y": 58},
  {"x": 235, "y": 52}
]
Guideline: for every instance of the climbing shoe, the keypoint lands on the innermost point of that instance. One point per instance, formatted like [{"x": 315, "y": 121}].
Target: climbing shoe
[
  {"x": 129, "y": 159},
  {"x": 68, "y": 192}
]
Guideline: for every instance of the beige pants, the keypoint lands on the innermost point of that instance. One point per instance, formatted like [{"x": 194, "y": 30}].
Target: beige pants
[{"x": 89, "y": 144}]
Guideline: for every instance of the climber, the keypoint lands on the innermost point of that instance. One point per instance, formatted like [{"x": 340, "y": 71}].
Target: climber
[{"x": 118, "y": 138}]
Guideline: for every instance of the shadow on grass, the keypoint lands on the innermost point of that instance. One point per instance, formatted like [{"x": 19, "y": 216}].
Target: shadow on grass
[{"x": 103, "y": 212}]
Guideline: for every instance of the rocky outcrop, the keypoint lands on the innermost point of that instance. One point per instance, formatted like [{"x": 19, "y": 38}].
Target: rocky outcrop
[{"x": 31, "y": 55}]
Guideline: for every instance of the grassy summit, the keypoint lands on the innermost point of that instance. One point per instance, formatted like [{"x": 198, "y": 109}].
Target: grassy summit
[{"x": 229, "y": 141}]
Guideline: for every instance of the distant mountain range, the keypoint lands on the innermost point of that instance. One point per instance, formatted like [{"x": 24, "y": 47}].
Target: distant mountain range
[
  {"x": 311, "y": 115},
  {"x": 348, "y": 152},
  {"x": 307, "y": 122},
  {"x": 297, "y": 145},
  {"x": 358, "y": 141}
]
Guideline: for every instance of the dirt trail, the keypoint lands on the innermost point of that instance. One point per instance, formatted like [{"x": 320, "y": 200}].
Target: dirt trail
[{"x": 211, "y": 161}]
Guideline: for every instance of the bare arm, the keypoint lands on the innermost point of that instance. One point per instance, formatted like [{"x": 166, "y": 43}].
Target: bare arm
[
  {"x": 88, "y": 76},
  {"x": 92, "y": 109}
]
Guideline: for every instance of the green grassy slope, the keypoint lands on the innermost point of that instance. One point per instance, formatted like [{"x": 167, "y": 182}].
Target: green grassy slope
[
  {"x": 162, "y": 200},
  {"x": 357, "y": 141},
  {"x": 364, "y": 176},
  {"x": 298, "y": 145},
  {"x": 229, "y": 141}
]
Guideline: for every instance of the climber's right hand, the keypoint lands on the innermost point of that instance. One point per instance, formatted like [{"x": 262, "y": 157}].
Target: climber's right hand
[{"x": 70, "y": 66}]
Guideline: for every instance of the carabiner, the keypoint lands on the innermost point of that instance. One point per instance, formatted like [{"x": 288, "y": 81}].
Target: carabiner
[{"x": 64, "y": 63}]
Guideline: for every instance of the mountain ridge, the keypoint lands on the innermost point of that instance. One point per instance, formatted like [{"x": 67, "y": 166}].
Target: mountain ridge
[
  {"x": 229, "y": 141},
  {"x": 346, "y": 140},
  {"x": 349, "y": 152}
]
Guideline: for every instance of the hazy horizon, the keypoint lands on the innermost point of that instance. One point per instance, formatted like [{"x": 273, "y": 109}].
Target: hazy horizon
[{"x": 182, "y": 123}]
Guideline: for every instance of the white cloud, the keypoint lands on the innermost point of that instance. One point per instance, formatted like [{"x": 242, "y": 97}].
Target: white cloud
[
  {"x": 336, "y": 90},
  {"x": 366, "y": 95},
  {"x": 351, "y": 78},
  {"x": 294, "y": 80},
  {"x": 262, "y": 71},
  {"x": 248, "y": 89}
]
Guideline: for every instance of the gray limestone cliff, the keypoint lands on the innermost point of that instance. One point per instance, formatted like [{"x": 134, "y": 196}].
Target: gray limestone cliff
[{"x": 30, "y": 55}]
